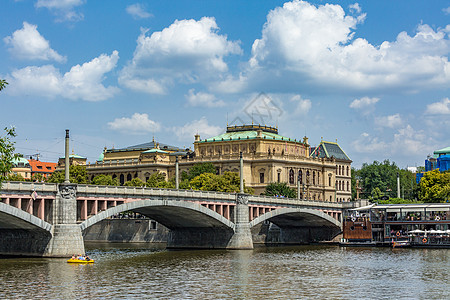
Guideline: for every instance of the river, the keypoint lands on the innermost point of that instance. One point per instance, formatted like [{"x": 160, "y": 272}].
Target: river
[{"x": 138, "y": 271}]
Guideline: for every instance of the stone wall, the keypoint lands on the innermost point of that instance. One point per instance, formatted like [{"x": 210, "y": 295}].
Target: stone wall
[{"x": 126, "y": 230}]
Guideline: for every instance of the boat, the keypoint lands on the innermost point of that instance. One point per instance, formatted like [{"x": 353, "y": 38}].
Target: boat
[
  {"x": 80, "y": 261},
  {"x": 401, "y": 244},
  {"x": 421, "y": 225}
]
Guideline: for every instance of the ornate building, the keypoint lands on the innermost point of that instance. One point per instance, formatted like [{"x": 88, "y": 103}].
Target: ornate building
[{"x": 323, "y": 174}]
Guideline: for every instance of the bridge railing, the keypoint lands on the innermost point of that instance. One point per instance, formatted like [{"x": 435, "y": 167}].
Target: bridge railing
[
  {"x": 153, "y": 192},
  {"x": 27, "y": 186},
  {"x": 24, "y": 186}
]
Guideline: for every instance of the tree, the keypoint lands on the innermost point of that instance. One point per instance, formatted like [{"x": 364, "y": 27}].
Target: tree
[
  {"x": 135, "y": 182},
  {"x": 15, "y": 177},
  {"x": 37, "y": 177},
  {"x": 3, "y": 84},
  {"x": 202, "y": 168},
  {"x": 228, "y": 182},
  {"x": 77, "y": 174},
  {"x": 384, "y": 177},
  {"x": 155, "y": 179},
  {"x": 435, "y": 186},
  {"x": 7, "y": 152},
  {"x": 280, "y": 189},
  {"x": 104, "y": 180}
]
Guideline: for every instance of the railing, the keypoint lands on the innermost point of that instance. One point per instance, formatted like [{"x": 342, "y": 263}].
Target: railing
[{"x": 24, "y": 186}]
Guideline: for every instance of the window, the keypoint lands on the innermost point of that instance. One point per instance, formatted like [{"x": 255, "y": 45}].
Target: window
[
  {"x": 329, "y": 181},
  {"x": 291, "y": 176},
  {"x": 278, "y": 177},
  {"x": 314, "y": 178},
  {"x": 348, "y": 186},
  {"x": 261, "y": 177},
  {"x": 39, "y": 167},
  {"x": 128, "y": 177},
  {"x": 300, "y": 176},
  {"x": 348, "y": 174},
  {"x": 122, "y": 179}
]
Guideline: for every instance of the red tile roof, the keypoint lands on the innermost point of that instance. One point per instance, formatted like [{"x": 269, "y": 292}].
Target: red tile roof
[{"x": 42, "y": 166}]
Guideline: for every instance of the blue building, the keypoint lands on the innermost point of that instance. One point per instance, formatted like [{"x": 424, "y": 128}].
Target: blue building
[{"x": 439, "y": 160}]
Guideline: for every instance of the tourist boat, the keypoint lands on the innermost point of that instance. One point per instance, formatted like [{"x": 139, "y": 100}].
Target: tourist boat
[
  {"x": 398, "y": 225},
  {"x": 80, "y": 261}
]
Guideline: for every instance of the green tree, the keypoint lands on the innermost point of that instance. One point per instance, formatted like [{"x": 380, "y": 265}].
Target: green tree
[
  {"x": 37, "y": 177},
  {"x": 434, "y": 186},
  {"x": 104, "y": 180},
  {"x": 228, "y": 182},
  {"x": 15, "y": 177},
  {"x": 3, "y": 84},
  {"x": 280, "y": 189},
  {"x": 376, "y": 194},
  {"x": 7, "y": 153},
  {"x": 384, "y": 177},
  {"x": 202, "y": 168},
  {"x": 77, "y": 174},
  {"x": 155, "y": 180},
  {"x": 135, "y": 182}
]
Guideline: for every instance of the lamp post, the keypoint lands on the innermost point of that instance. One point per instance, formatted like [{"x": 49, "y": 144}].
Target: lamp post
[{"x": 66, "y": 158}]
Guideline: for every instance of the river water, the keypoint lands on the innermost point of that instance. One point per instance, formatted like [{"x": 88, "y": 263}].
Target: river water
[{"x": 139, "y": 271}]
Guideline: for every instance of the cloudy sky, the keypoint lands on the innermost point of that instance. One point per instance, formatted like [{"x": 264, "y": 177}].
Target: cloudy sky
[{"x": 374, "y": 75}]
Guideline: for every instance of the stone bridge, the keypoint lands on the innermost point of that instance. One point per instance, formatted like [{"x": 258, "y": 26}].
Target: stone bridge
[{"x": 45, "y": 219}]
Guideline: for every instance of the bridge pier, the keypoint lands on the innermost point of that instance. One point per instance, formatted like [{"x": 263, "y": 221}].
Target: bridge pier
[
  {"x": 67, "y": 238},
  {"x": 242, "y": 238}
]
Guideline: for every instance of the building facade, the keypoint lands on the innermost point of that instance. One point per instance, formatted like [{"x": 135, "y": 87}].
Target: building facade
[{"x": 322, "y": 175}]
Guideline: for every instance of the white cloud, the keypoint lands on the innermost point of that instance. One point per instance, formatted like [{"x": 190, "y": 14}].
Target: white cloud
[
  {"x": 446, "y": 10},
  {"x": 439, "y": 108},
  {"x": 187, "y": 51},
  {"x": 406, "y": 142},
  {"x": 365, "y": 105},
  {"x": 355, "y": 8},
  {"x": 200, "y": 127},
  {"x": 368, "y": 144},
  {"x": 303, "y": 105},
  {"x": 137, "y": 11},
  {"x": 304, "y": 46},
  {"x": 28, "y": 43},
  {"x": 410, "y": 142},
  {"x": 392, "y": 121},
  {"x": 137, "y": 124},
  {"x": 81, "y": 82},
  {"x": 203, "y": 99},
  {"x": 63, "y": 9}
]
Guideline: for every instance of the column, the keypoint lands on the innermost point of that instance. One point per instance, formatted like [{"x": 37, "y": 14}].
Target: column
[{"x": 242, "y": 238}]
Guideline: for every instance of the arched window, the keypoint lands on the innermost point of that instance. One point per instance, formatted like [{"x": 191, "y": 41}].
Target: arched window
[
  {"x": 291, "y": 176},
  {"x": 129, "y": 177},
  {"x": 300, "y": 176},
  {"x": 122, "y": 179},
  {"x": 348, "y": 171},
  {"x": 314, "y": 178},
  {"x": 329, "y": 181},
  {"x": 348, "y": 186}
]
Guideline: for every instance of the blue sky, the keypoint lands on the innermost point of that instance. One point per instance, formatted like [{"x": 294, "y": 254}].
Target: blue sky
[{"x": 374, "y": 75}]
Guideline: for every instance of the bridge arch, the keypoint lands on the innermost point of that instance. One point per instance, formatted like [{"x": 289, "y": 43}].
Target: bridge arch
[
  {"x": 286, "y": 217},
  {"x": 173, "y": 214},
  {"x": 15, "y": 218}
]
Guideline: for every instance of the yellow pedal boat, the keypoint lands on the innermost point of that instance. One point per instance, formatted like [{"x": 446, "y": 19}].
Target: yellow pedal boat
[{"x": 79, "y": 261}]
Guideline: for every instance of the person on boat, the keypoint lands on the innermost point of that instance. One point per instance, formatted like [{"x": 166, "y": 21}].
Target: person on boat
[
  {"x": 87, "y": 258},
  {"x": 73, "y": 256},
  {"x": 81, "y": 257}
]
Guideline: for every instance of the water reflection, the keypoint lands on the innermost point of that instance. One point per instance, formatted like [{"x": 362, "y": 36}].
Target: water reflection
[{"x": 134, "y": 272}]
